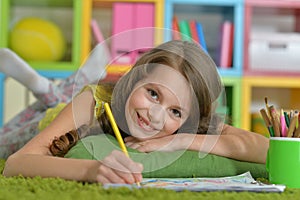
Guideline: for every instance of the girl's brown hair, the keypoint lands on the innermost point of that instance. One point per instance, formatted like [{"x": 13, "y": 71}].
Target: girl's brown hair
[
  {"x": 61, "y": 145},
  {"x": 193, "y": 63}
]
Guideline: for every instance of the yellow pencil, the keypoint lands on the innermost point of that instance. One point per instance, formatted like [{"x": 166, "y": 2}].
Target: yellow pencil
[{"x": 116, "y": 130}]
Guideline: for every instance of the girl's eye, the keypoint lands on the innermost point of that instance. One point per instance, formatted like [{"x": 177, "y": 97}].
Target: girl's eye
[
  {"x": 176, "y": 113},
  {"x": 153, "y": 94}
]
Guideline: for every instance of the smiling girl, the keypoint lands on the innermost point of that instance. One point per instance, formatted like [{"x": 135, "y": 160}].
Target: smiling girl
[{"x": 168, "y": 96}]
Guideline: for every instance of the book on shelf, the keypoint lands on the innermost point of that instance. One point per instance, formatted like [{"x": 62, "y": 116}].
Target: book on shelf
[
  {"x": 201, "y": 35},
  {"x": 185, "y": 31},
  {"x": 194, "y": 32},
  {"x": 226, "y": 45},
  {"x": 97, "y": 31},
  {"x": 175, "y": 28},
  {"x": 190, "y": 30}
]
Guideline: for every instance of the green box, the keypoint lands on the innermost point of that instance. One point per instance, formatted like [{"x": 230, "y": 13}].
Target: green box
[{"x": 10, "y": 12}]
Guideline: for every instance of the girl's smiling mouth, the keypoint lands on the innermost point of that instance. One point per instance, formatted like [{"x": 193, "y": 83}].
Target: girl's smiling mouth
[{"x": 144, "y": 123}]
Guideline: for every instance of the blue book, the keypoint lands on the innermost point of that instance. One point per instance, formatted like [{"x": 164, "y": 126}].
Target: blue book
[{"x": 201, "y": 36}]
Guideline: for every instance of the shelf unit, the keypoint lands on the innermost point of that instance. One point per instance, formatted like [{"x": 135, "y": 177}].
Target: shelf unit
[
  {"x": 219, "y": 10},
  {"x": 101, "y": 11},
  {"x": 233, "y": 87},
  {"x": 85, "y": 10},
  {"x": 80, "y": 44},
  {"x": 246, "y": 87},
  {"x": 282, "y": 92},
  {"x": 71, "y": 11},
  {"x": 72, "y": 28},
  {"x": 271, "y": 11},
  {"x": 281, "y": 85}
]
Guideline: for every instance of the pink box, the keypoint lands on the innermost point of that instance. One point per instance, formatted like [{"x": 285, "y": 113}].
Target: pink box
[
  {"x": 130, "y": 18},
  {"x": 144, "y": 17},
  {"x": 122, "y": 44}
]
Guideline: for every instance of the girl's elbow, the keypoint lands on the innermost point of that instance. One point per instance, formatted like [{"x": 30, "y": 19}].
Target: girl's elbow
[{"x": 8, "y": 167}]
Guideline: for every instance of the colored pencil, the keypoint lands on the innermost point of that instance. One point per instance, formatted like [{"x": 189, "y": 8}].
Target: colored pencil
[
  {"x": 283, "y": 124},
  {"x": 116, "y": 130},
  {"x": 275, "y": 121},
  {"x": 267, "y": 121}
]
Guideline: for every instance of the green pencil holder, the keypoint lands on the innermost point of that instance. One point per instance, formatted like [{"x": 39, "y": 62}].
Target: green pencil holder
[{"x": 283, "y": 161}]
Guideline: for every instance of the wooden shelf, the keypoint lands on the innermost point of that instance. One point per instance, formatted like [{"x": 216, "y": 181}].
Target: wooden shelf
[
  {"x": 232, "y": 10},
  {"x": 256, "y": 8},
  {"x": 244, "y": 84},
  {"x": 70, "y": 12},
  {"x": 280, "y": 85},
  {"x": 265, "y": 83},
  {"x": 273, "y": 3},
  {"x": 106, "y": 6}
]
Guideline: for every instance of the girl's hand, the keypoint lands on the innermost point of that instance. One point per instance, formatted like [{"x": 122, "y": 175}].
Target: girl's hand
[
  {"x": 167, "y": 143},
  {"x": 118, "y": 168}
]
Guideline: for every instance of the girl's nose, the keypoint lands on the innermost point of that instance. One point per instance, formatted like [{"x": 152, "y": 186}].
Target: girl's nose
[{"x": 157, "y": 115}]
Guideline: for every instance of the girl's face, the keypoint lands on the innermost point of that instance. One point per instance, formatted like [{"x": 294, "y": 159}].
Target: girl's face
[{"x": 159, "y": 104}]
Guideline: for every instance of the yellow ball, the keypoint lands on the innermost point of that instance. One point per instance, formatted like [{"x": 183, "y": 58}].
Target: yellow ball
[{"x": 36, "y": 39}]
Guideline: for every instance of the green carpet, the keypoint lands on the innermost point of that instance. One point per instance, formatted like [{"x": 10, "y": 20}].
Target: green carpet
[{"x": 56, "y": 188}]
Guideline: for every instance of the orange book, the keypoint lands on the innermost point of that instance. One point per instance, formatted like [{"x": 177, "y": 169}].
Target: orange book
[
  {"x": 194, "y": 32},
  {"x": 175, "y": 28}
]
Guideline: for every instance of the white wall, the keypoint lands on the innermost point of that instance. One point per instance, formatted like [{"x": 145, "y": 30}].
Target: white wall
[{"x": 16, "y": 98}]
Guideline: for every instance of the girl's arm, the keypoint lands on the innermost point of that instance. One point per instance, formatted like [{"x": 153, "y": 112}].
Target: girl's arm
[
  {"x": 35, "y": 159},
  {"x": 232, "y": 143}
]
